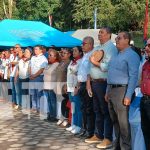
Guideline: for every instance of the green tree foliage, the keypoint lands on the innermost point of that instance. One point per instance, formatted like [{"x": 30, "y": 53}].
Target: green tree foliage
[
  {"x": 84, "y": 12},
  {"x": 74, "y": 14},
  {"x": 36, "y": 9},
  {"x": 119, "y": 14},
  {"x": 129, "y": 14},
  {"x": 63, "y": 15},
  {"x": 40, "y": 9}
]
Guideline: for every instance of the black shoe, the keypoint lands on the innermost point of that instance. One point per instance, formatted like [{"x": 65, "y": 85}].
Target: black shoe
[
  {"x": 81, "y": 133},
  {"x": 46, "y": 120},
  {"x": 52, "y": 119},
  {"x": 87, "y": 135}
]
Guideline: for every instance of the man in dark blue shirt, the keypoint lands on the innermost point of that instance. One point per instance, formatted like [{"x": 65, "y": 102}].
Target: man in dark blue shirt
[{"x": 122, "y": 80}]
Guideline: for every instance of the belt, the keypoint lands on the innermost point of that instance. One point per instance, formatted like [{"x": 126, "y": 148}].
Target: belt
[
  {"x": 82, "y": 82},
  {"x": 99, "y": 80},
  {"x": 117, "y": 85},
  {"x": 146, "y": 96}
]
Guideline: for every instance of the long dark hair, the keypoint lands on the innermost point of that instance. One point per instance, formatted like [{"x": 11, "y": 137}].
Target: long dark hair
[{"x": 138, "y": 51}]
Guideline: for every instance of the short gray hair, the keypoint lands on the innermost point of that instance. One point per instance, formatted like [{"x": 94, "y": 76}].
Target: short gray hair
[{"x": 90, "y": 39}]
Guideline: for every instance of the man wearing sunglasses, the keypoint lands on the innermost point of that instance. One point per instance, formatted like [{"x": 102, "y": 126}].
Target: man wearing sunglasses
[
  {"x": 121, "y": 82},
  {"x": 145, "y": 103}
]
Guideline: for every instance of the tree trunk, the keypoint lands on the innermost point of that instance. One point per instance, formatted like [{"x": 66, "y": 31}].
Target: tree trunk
[
  {"x": 8, "y": 9},
  {"x": 5, "y": 11}
]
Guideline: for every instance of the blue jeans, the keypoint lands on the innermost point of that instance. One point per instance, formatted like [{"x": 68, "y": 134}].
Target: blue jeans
[
  {"x": 103, "y": 123},
  {"x": 12, "y": 86},
  {"x": 21, "y": 91},
  {"x": 51, "y": 101},
  {"x": 36, "y": 92},
  {"x": 18, "y": 90},
  {"x": 76, "y": 110}
]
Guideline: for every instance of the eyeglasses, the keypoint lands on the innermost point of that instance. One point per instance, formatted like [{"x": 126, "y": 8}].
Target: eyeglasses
[
  {"x": 51, "y": 55},
  {"x": 118, "y": 38},
  {"x": 84, "y": 43},
  {"x": 64, "y": 52}
]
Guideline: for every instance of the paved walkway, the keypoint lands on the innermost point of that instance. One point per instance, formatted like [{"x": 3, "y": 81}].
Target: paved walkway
[{"x": 24, "y": 131}]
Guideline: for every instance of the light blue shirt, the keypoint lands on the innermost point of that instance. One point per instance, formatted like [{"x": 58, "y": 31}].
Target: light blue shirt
[
  {"x": 109, "y": 50},
  {"x": 84, "y": 68},
  {"x": 123, "y": 69}
]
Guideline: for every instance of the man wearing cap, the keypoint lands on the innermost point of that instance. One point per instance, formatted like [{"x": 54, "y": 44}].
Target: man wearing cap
[
  {"x": 122, "y": 80},
  {"x": 145, "y": 102},
  {"x": 97, "y": 78}
]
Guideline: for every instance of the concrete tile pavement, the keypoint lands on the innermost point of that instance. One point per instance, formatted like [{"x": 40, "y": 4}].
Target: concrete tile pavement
[{"x": 21, "y": 130}]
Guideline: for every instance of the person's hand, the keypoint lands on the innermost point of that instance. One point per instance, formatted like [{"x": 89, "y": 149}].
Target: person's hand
[
  {"x": 88, "y": 88},
  {"x": 90, "y": 93},
  {"x": 15, "y": 79},
  {"x": 92, "y": 59},
  {"x": 32, "y": 77},
  {"x": 94, "y": 62},
  {"x": 126, "y": 101},
  {"x": 106, "y": 98}
]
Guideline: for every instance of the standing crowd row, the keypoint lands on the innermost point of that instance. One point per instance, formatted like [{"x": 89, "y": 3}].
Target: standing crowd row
[{"x": 98, "y": 82}]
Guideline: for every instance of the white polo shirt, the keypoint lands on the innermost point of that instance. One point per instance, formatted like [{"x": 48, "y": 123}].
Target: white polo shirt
[
  {"x": 37, "y": 63},
  {"x": 23, "y": 69},
  {"x": 13, "y": 68}
]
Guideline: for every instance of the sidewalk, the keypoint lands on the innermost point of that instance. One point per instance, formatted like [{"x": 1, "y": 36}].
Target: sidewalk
[{"x": 23, "y": 131}]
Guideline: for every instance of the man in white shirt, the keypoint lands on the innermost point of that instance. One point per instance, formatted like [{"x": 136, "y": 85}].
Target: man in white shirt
[
  {"x": 14, "y": 84},
  {"x": 86, "y": 100},
  {"x": 37, "y": 66}
]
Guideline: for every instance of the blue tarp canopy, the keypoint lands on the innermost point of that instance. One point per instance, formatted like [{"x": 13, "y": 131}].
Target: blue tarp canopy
[{"x": 31, "y": 33}]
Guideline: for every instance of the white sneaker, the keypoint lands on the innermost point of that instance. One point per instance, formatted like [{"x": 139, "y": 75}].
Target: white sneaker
[
  {"x": 70, "y": 128},
  {"x": 64, "y": 123},
  {"x": 76, "y": 130},
  {"x": 16, "y": 107},
  {"x": 59, "y": 122}
]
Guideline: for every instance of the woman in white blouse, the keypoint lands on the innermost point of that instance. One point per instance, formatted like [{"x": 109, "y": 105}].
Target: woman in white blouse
[{"x": 71, "y": 85}]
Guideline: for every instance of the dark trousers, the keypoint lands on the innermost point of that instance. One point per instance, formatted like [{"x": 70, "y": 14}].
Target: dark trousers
[
  {"x": 51, "y": 100},
  {"x": 119, "y": 114},
  {"x": 145, "y": 120},
  {"x": 87, "y": 109},
  {"x": 103, "y": 123}
]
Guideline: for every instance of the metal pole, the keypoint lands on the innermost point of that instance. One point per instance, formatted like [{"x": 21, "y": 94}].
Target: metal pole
[{"x": 95, "y": 18}]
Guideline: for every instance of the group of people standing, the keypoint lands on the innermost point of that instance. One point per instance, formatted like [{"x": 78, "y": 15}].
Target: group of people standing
[{"x": 99, "y": 83}]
